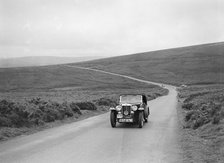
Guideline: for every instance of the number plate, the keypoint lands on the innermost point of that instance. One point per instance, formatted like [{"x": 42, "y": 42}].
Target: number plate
[{"x": 125, "y": 120}]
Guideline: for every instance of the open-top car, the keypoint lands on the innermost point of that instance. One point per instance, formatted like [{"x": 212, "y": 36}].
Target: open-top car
[{"x": 132, "y": 108}]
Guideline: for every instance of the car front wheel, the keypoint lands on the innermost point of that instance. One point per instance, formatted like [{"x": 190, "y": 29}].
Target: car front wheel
[
  {"x": 113, "y": 119},
  {"x": 146, "y": 120},
  {"x": 147, "y": 115},
  {"x": 140, "y": 119}
]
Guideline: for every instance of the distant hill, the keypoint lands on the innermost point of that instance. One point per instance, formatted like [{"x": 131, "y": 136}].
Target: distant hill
[
  {"x": 200, "y": 64},
  {"x": 41, "y": 61}
]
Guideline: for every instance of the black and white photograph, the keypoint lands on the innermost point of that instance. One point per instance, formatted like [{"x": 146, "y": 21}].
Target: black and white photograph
[{"x": 111, "y": 81}]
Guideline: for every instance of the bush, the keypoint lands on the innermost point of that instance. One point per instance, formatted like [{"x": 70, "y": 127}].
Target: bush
[
  {"x": 75, "y": 108},
  {"x": 203, "y": 105},
  {"x": 188, "y": 115},
  {"x": 216, "y": 119},
  {"x": 12, "y": 114},
  {"x": 151, "y": 97},
  {"x": 203, "y": 113},
  {"x": 37, "y": 112},
  {"x": 187, "y": 106},
  {"x": 200, "y": 121},
  {"x": 106, "y": 102},
  {"x": 86, "y": 106},
  {"x": 196, "y": 118},
  {"x": 214, "y": 109},
  {"x": 4, "y": 121},
  {"x": 65, "y": 110}
]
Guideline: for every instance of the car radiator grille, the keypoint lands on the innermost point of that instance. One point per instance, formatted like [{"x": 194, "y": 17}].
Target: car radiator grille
[{"x": 126, "y": 110}]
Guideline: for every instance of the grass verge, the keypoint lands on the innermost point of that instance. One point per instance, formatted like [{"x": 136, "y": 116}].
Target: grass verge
[{"x": 202, "y": 114}]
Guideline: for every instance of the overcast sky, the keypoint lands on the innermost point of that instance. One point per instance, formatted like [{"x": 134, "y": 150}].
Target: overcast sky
[{"x": 106, "y": 27}]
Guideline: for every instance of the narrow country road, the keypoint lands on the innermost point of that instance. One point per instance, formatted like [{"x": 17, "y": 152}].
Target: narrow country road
[{"x": 94, "y": 141}]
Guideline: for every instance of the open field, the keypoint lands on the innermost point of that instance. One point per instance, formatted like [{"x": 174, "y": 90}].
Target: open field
[
  {"x": 32, "y": 98},
  {"x": 60, "y": 83},
  {"x": 202, "y": 64}
]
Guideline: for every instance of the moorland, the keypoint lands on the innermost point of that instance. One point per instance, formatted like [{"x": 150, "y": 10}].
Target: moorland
[
  {"x": 199, "y": 67},
  {"x": 34, "y": 98},
  {"x": 201, "y": 113}
]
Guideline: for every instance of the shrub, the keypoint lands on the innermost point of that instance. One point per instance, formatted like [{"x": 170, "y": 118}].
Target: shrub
[
  {"x": 35, "y": 101},
  {"x": 75, "y": 108},
  {"x": 12, "y": 114},
  {"x": 196, "y": 118},
  {"x": 200, "y": 121},
  {"x": 204, "y": 105},
  {"x": 5, "y": 107},
  {"x": 187, "y": 106},
  {"x": 216, "y": 119},
  {"x": 67, "y": 110},
  {"x": 106, "y": 102},
  {"x": 214, "y": 109},
  {"x": 203, "y": 113},
  {"x": 222, "y": 112},
  {"x": 188, "y": 115},
  {"x": 37, "y": 112},
  {"x": 151, "y": 97},
  {"x": 86, "y": 106},
  {"x": 4, "y": 121}
]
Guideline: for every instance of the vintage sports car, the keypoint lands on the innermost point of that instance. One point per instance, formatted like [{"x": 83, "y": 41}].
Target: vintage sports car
[{"x": 132, "y": 108}]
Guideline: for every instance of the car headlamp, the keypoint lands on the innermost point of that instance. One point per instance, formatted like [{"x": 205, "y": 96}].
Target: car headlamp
[
  {"x": 134, "y": 107},
  {"x": 118, "y": 108}
]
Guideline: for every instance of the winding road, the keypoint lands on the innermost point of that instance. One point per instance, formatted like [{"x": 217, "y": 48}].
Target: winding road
[{"x": 94, "y": 141}]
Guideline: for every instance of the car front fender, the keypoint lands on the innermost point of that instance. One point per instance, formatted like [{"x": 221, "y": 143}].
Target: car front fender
[
  {"x": 111, "y": 109},
  {"x": 141, "y": 109}
]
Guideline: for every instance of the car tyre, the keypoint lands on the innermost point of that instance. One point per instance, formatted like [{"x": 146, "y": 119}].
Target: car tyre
[
  {"x": 140, "y": 119},
  {"x": 146, "y": 120},
  {"x": 113, "y": 119},
  {"x": 148, "y": 112}
]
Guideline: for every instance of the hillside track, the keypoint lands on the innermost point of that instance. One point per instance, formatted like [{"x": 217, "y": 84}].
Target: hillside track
[{"x": 93, "y": 140}]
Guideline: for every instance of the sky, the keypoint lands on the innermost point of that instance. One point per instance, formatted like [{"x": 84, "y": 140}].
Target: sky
[{"x": 75, "y": 28}]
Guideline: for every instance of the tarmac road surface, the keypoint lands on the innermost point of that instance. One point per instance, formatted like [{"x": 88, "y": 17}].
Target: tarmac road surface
[{"x": 94, "y": 141}]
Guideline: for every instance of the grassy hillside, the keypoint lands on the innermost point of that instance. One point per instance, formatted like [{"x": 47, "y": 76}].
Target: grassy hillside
[
  {"x": 64, "y": 83},
  {"x": 32, "y": 98},
  {"x": 200, "y": 64},
  {"x": 56, "y": 77},
  {"x": 202, "y": 113}
]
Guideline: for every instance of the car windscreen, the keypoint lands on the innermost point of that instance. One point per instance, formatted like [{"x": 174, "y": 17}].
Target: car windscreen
[{"x": 132, "y": 99}]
